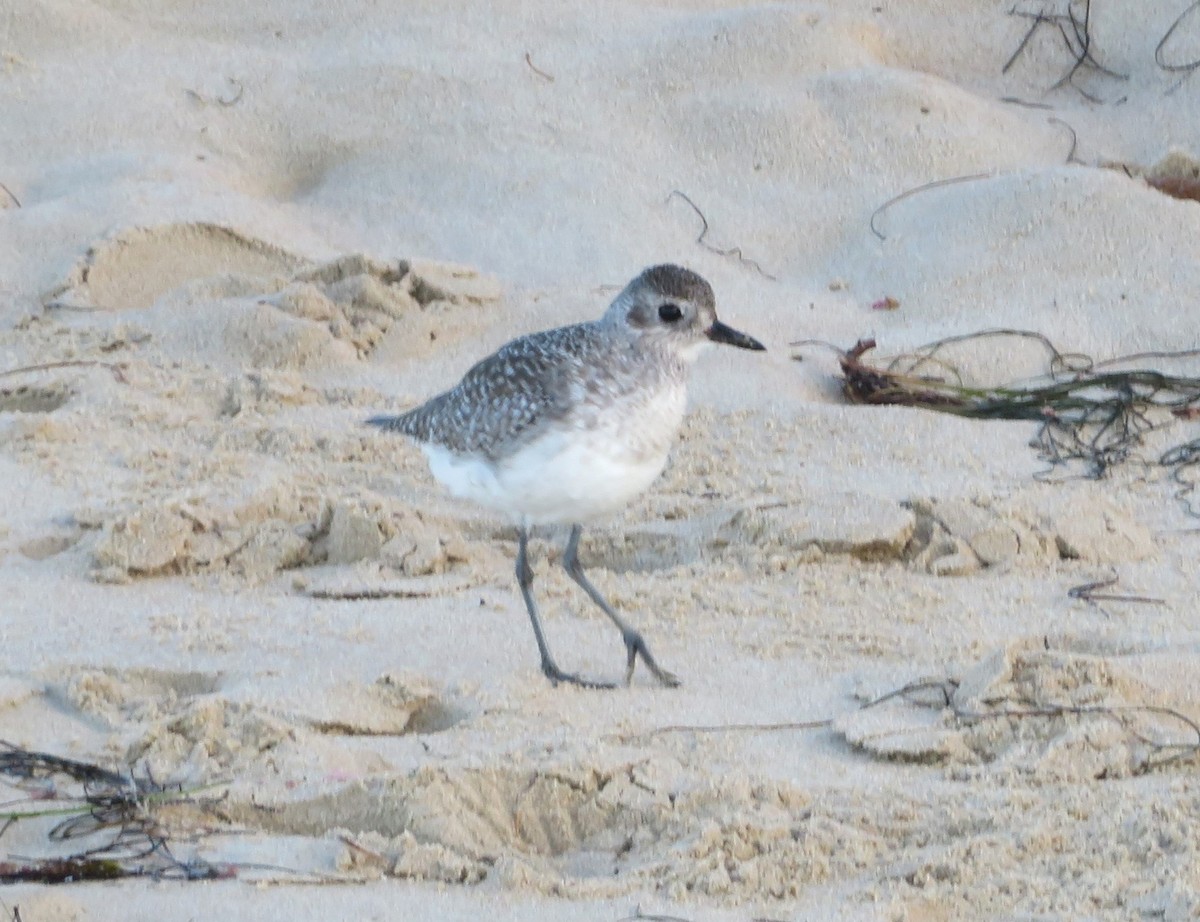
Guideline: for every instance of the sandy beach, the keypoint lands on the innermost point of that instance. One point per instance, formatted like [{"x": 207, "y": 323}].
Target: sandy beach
[{"x": 232, "y": 232}]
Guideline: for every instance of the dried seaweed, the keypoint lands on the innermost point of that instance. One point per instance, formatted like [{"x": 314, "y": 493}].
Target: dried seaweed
[
  {"x": 1090, "y": 593},
  {"x": 537, "y": 70},
  {"x": 1091, "y": 414},
  {"x": 1187, "y": 68},
  {"x": 1159, "y": 753},
  {"x": 1072, "y": 21},
  {"x": 745, "y": 727},
  {"x": 940, "y": 694},
  {"x": 925, "y": 187},
  {"x": 639, "y": 916},
  {"x": 116, "y": 369},
  {"x": 954, "y": 180},
  {"x": 111, "y": 818},
  {"x": 733, "y": 252}
]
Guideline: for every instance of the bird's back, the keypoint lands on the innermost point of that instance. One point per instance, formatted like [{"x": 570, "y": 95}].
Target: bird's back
[{"x": 508, "y": 398}]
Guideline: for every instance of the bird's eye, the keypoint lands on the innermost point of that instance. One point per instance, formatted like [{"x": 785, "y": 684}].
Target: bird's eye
[{"x": 669, "y": 313}]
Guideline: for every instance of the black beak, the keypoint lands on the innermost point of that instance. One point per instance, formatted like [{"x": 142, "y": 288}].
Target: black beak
[{"x": 719, "y": 333}]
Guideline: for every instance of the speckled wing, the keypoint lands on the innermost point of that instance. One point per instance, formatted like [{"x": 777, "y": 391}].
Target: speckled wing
[{"x": 506, "y": 398}]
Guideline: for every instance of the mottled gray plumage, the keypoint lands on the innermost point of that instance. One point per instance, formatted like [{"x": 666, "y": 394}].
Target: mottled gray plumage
[
  {"x": 545, "y": 378},
  {"x": 530, "y": 383},
  {"x": 570, "y": 424}
]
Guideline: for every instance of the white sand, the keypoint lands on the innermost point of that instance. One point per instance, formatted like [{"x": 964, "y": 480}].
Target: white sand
[{"x": 263, "y": 222}]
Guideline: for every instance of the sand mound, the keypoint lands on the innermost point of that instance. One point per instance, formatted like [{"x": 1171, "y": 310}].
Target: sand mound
[
  {"x": 944, "y": 537},
  {"x": 255, "y": 535},
  {"x": 1025, "y": 212},
  {"x": 389, "y": 706},
  {"x": 190, "y": 726},
  {"x": 282, "y": 525},
  {"x": 575, "y": 830},
  {"x": 208, "y": 291},
  {"x": 1045, "y": 715},
  {"x": 114, "y": 696},
  {"x": 858, "y": 526},
  {"x": 137, "y": 267},
  {"x": 1039, "y": 524}
]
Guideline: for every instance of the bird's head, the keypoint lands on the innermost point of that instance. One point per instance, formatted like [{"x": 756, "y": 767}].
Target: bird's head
[{"x": 674, "y": 309}]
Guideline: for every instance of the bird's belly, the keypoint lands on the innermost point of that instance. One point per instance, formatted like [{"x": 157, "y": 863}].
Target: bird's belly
[
  {"x": 552, "y": 480},
  {"x": 470, "y": 477},
  {"x": 556, "y": 479},
  {"x": 588, "y": 467}
]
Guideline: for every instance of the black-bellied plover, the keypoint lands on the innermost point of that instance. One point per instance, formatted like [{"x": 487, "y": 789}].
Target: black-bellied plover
[{"x": 567, "y": 425}]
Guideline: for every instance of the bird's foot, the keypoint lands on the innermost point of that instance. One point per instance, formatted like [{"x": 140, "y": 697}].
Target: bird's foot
[
  {"x": 635, "y": 646},
  {"x": 555, "y": 675}
]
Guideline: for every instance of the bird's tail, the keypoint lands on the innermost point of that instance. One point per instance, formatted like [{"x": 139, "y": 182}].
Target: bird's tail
[{"x": 390, "y": 423}]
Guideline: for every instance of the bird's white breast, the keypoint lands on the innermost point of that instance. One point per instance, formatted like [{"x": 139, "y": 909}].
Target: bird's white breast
[{"x": 588, "y": 465}]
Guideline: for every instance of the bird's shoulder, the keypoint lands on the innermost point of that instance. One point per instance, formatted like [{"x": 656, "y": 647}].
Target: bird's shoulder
[
  {"x": 507, "y": 396},
  {"x": 541, "y": 361}
]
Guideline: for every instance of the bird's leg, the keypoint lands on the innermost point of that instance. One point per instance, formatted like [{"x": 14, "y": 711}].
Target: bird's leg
[
  {"x": 635, "y": 645},
  {"x": 525, "y": 581}
]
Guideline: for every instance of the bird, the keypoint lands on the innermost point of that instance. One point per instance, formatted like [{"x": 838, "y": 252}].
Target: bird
[{"x": 568, "y": 425}]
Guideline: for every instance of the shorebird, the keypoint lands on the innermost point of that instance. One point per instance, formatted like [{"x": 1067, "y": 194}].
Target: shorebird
[{"x": 568, "y": 425}]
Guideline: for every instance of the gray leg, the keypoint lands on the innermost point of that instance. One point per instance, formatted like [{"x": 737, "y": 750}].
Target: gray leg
[
  {"x": 635, "y": 645},
  {"x": 525, "y": 581}
]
